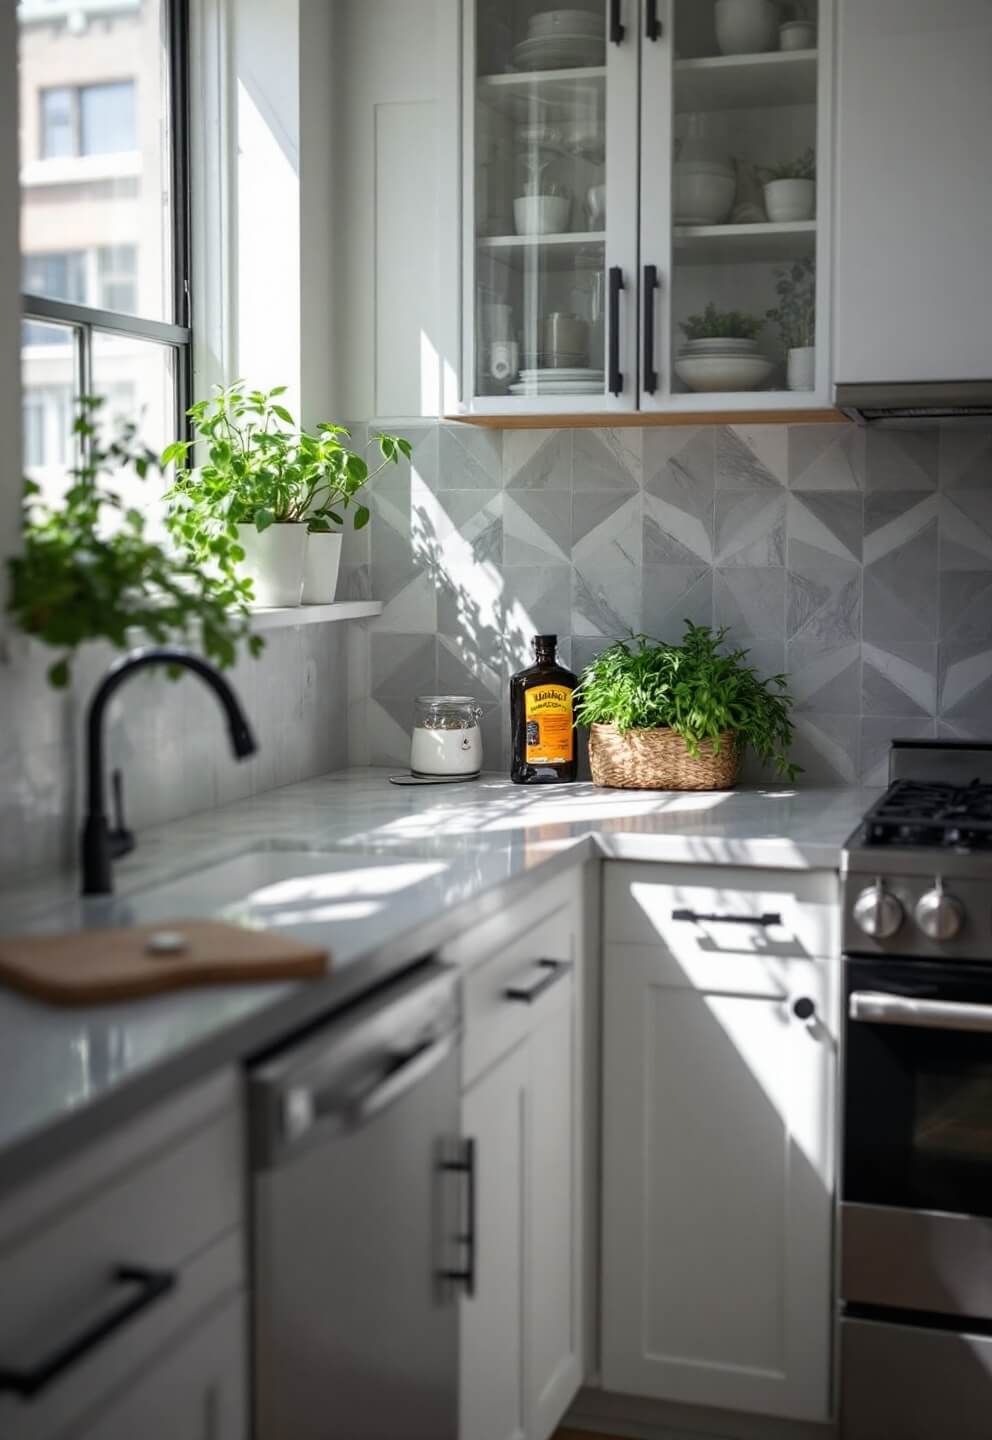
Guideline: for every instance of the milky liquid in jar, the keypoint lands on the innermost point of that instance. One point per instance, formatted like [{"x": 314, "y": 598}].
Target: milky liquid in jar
[{"x": 446, "y": 736}]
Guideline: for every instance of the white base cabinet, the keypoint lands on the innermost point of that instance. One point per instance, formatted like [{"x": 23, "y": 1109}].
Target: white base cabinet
[
  {"x": 718, "y": 1163},
  {"x": 522, "y": 1331}
]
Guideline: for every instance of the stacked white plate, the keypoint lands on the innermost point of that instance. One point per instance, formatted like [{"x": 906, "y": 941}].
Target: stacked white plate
[
  {"x": 719, "y": 363},
  {"x": 580, "y": 380},
  {"x": 562, "y": 40}
]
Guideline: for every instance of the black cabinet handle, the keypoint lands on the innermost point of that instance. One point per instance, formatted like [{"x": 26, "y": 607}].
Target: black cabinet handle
[
  {"x": 617, "y": 27},
  {"x": 616, "y": 374},
  {"x": 650, "y": 286},
  {"x": 695, "y": 918},
  {"x": 466, "y": 1166},
  {"x": 151, "y": 1286},
  {"x": 804, "y": 1008},
  {"x": 652, "y": 25},
  {"x": 553, "y": 970}
]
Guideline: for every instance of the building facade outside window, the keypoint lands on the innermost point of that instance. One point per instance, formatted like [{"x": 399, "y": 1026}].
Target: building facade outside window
[{"x": 103, "y": 221}]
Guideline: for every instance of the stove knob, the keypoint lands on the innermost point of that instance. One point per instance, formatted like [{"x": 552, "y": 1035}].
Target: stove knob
[
  {"x": 878, "y": 913},
  {"x": 939, "y": 915}
]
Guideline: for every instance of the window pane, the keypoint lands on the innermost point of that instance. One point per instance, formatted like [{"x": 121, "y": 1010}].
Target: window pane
[
  {"x": 106, "y": 118},
  {"x": 96, "y": 152},
  {"x": 59, "y": 275},
  {"x": 56, "y": 123},
  {"x": 137, "y": 378},
  {"x": 50, "y": 383}
]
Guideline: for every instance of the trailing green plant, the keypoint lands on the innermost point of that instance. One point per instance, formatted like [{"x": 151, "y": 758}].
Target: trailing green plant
[
  {"x": 691, "y": 688},
  {"x": 803, "y": 167},
  {"x": 716, "y": 324},
  {"x": 795, "y": 313},
  {"x": 89, "y": 570},
  {"x": 259, "y": 468}
]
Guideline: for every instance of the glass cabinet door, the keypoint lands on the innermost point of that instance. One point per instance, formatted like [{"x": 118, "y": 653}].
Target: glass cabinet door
[
  {"x": 550, "y": 273},
  {"x": 734, "y": 217}
]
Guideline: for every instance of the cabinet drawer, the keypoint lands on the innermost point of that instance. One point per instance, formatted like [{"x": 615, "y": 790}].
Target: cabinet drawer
[
  {"x": 505, "y": 994},
  {"x": 701, "y": 914},
  {"x": 106, "y": 1258}
]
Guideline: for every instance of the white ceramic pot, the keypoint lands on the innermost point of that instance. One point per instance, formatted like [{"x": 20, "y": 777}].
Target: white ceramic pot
[
  {"x": 320, "y": 567},
  {"x": 787, "y": 200},
  {"x": 274, "y": 562},
  {"x": 797, "y": 35},
  {"x": 801, "y": 368},
  {"x": 702, "y": 194},
  {"x": 541, "y": 214},
  {"x": 746, "y": 27}
]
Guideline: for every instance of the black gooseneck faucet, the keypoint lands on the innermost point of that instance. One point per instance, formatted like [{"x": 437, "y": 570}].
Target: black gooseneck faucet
[{"x": 99, "y": 845}]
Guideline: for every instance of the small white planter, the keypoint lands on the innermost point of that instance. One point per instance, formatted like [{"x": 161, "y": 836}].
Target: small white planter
[
  {"x": 797, "y": 35},
  {"x": 274, "y": 562},
  {"x": 801, "y": 368},
  {"x": 320, "y": 569},
  {"x": 788, "y": 200},
  {"x": 746, "y": 27}
]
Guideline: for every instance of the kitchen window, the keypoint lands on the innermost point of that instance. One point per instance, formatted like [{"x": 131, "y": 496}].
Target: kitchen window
[{"x": 105, "y": 162}]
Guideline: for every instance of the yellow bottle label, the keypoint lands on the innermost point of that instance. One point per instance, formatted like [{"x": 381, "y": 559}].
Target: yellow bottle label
[{"x": 548, "y": 714}]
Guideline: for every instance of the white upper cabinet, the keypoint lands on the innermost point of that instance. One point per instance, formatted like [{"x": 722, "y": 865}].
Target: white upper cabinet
[
  {"x": 621, "y": 249},
  {"x": 914, "y": 191},
  {"x": 549, "y": 206}
]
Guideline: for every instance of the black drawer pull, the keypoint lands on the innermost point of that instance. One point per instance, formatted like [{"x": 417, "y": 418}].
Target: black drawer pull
[
  {"x": 617, "y": 28},
  {"x": 466, "y": 1167},
  {"x": 695, "y": 918},
  {"x": 151, "y": 1286},
  {"x": 652, "y": 25},
  {"x": 553, "y": 970}
]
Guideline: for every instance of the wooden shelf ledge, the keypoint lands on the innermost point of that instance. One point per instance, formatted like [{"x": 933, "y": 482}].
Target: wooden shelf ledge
[{"x": 625, "y": 420}]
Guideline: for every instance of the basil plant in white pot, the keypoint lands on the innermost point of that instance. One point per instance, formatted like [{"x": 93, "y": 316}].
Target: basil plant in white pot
[
  {"x": 795, "y": 316},
  {"x": 269, "y": 501}
]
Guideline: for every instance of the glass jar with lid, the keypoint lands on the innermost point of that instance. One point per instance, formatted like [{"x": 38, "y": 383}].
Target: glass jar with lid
[{"x": 447, "y": 740}]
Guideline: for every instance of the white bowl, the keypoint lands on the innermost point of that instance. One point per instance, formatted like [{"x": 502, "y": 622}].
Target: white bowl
[
  {"x": 565, "y": 22},
  {"x": 723, "y": 372},
  {"x": 702, "y": 197},
  {"x": 541, "y": 214},
  {"x": 718, "y": 345},
  {"x": 790, "y": 200},
  {"x": 746, "y": 27},
  {"x": 797, "y": 35}
]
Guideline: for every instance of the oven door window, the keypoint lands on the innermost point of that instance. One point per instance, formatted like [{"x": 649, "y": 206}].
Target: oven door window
[{"x": 918, "y": 1107}]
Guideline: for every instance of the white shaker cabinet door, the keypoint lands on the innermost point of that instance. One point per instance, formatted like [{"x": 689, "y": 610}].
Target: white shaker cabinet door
[
  {"x": 195, "y": 1392},
  {"x": 718, "y": 1178},
  {"x": 913, "y": 281},
  {"x": 494, "y": 1115}
]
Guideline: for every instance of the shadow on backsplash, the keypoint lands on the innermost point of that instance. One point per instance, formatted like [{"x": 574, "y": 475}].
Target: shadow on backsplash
[
  {"x": 860, "y": 562},
  {"x": 165, "y": 737}
]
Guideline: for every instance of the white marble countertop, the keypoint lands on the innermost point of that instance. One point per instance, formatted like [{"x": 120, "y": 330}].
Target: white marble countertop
[{"x": 392, "y": 872}]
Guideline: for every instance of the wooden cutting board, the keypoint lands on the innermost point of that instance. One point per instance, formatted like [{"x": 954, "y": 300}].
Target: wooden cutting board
[{"x": 89, "y": 967}]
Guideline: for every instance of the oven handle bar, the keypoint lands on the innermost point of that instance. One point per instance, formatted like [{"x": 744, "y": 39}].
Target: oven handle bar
[{"x": 880, "y": 1009}]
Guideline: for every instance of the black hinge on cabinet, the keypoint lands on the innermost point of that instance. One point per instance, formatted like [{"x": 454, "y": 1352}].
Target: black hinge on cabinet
[
  {"x": 652, "y": 25},
  {"x": 617, "y": 27}
]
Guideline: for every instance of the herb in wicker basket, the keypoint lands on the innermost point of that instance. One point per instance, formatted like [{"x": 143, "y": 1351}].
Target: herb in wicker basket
[{"x": 680, "y": 716}]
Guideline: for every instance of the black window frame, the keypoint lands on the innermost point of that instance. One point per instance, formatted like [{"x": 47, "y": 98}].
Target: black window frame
[{"x": 177, "y": 334}]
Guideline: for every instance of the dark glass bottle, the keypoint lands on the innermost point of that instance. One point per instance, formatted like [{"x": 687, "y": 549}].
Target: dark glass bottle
[{"x": 542, "y": 724}]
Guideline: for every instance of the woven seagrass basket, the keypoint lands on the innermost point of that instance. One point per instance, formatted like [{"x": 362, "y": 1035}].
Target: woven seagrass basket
[{"x": 658, "y": 760}]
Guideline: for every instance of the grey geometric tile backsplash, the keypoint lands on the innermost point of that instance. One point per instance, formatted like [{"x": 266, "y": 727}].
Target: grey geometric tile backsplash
[{"x": 859, "y": 562}]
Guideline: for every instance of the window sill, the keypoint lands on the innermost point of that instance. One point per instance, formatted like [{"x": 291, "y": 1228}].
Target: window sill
[{"x": 286, "y": 618}]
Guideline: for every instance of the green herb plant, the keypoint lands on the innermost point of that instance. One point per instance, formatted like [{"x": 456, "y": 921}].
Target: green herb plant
[
  {"x": 691, "y": 688},
  {"x": 716, "y": 324},
  {"x": 803, "y": 167},
  {"x": 795, "y": 313},
  {"x": 89, "y": 570},
  {"x": 259, "y": 468}
]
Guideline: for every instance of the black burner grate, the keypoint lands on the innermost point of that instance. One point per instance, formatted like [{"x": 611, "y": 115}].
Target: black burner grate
[{"x": 918, "y": 814}]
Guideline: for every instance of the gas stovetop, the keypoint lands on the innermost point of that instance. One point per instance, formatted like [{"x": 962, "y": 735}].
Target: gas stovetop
[{"x": 917, "y": 872}]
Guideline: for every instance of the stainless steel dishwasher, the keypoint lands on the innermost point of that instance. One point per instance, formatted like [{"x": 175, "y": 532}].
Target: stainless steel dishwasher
[{"x": 363, "y": 1222}]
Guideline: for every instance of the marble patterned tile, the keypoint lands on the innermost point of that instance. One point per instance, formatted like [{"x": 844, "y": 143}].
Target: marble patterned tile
[
  {"x": 420, "y": 469},
  {"x": 899, "y": 679},
  {"x": 965, "y": 683},
  {"x": 740, "y": 463},
  {"x": 828, "y": 747},
  {"x": 877, "y": 735},
  {"x": 606, "y": 528},
  {"x": 537, "y": 526},
  {"x": 901, "y": 578},
  {"x": 826, "y": 457},
  {"x": 470, "y": 457},
  {"x": 964, "y": 457},
  {"x": 537, "y": 600},
  {"x": 826, "y": 523},
  {"x": 537, "y": 460},
  {"x": 679, "y": 507},
  {"x": 823, "y": 603},
  {"x": 901, "y": 459},
  {"x": 824, "y": 679},
  {"x": 403, "y": 665},
  {"x": 673, "y": 594},
  {"x": 605, "y": 461},
  {"x": 461, "y": 671},
  {"x": 750, "y": 527},
  {"x": 606, "y": 599},
  {"x": 751, "y": 601}
]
